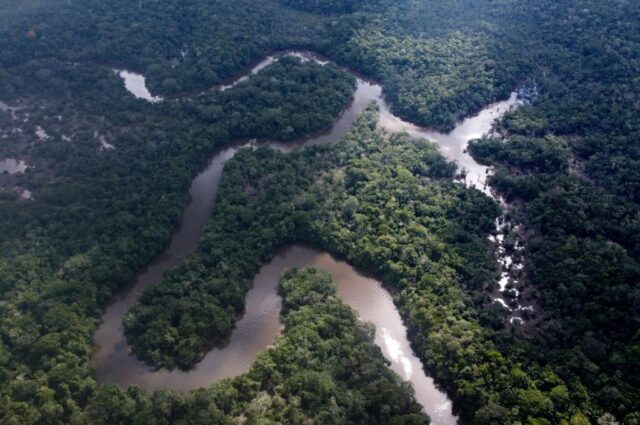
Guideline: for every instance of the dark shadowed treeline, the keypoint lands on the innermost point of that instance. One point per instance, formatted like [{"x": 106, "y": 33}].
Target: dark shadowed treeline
[
  {"x": 568, "y": 161},
  {"x": 98, "y": 215}
]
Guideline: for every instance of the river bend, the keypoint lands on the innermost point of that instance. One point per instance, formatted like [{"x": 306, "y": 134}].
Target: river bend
[{"x": 260, "y": 325}]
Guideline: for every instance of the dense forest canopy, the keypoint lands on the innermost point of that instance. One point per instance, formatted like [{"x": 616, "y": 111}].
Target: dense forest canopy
[
  {"x": 325, "y": 368},
  {"x": 567, "y": 160},
  {"x": 326, "y": 6}
]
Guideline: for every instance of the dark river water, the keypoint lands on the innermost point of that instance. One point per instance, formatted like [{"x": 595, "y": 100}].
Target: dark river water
[{"x": 260, "y": 325}]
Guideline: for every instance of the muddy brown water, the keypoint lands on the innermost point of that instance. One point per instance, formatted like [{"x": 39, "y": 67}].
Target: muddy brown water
[{"x": 257, "y": 330}]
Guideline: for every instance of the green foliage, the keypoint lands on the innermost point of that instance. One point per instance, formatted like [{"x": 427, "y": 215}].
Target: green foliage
[
  {"x": 527, "y": 154},
  {"x": 99, "y": 215},
  {"x": 321, "y": 195},
  {"x": 570, "y": 164},
  {"x": 568, "y": 160},
  {"x": 432, "y": 82},
  {"x": 325, "y": 6},
  {"x": 372, "y": 199},
  {"x": 325, "y": 368},
  {"x": 434, "y": 71}
]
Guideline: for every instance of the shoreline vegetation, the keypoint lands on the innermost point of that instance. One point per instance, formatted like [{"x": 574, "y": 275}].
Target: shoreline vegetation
[{"x": 568, "y": 162}]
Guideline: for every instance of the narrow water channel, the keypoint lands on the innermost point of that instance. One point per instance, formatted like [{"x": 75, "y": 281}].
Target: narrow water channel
[{"x": 258, "y": 328}]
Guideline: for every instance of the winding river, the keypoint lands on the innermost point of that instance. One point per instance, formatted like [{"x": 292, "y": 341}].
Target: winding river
[{"x": 260, "y": 325}]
